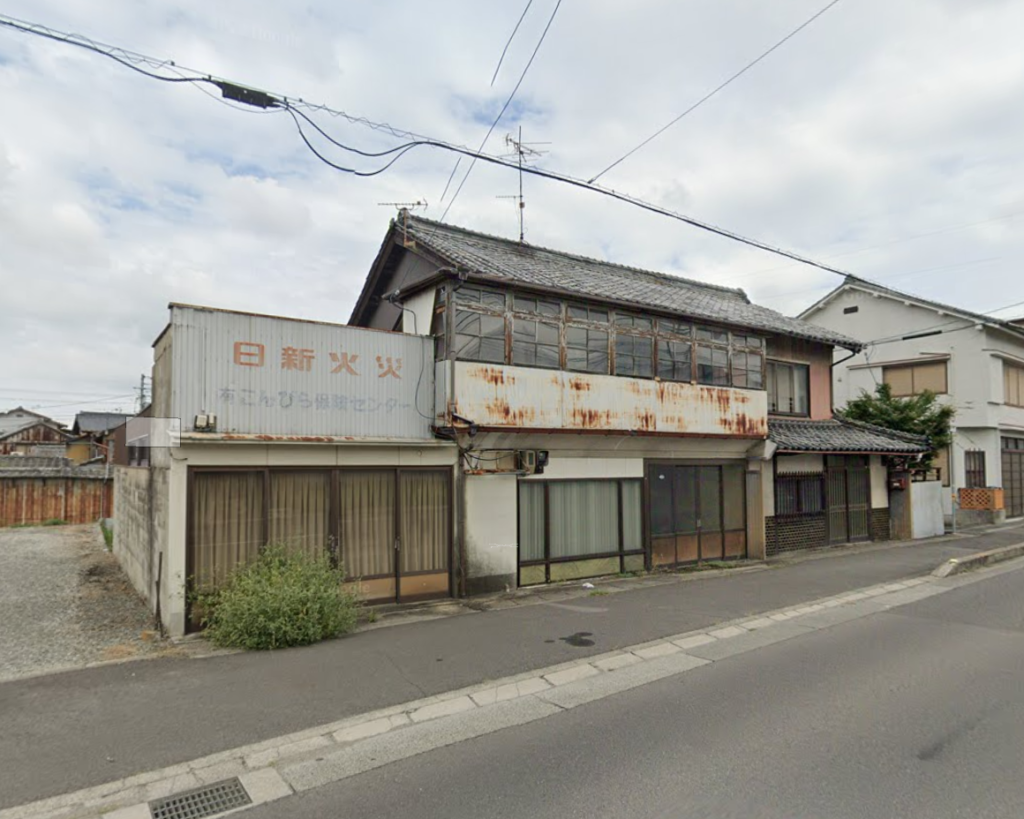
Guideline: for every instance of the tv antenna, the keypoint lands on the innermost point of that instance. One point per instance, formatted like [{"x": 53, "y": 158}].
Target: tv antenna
[
  {"x": 525, "y": 153},
  {"x": 403, "y": 215}
]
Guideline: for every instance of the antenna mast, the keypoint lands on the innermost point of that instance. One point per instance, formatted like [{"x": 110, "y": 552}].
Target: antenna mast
[{"x": 524, "y": 153}]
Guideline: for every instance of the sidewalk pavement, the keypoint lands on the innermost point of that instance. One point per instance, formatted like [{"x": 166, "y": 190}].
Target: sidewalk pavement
[{"x": 73, "y": 730}]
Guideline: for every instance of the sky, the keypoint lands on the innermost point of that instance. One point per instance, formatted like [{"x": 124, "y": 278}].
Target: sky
[{"x": 884, "y": 139}]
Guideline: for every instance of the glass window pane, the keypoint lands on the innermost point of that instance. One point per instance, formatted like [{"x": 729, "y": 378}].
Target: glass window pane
[
  {"x": 733, "y": 480},
  {"x": 676, "y": 328},
  {"x": 227, "y": 508},
  {"x": 632, "y": 515},
  {"x": 524, "y": 330},
  {"x": 531, "y": 520},
  {"x": 800, "y": 396},
  {"x": 584, "y": 518},
  {"x": 685, "y": 499},
  {"x": 710, "y": 499},
  {"x": 547, "y": 356},
  {"x": 547, "y": 333},
  {"x": 674, "y": 360},
  {"x": 366, "y": 513},
  {"x": 630, "y": 320},
  {"x": 712, "y": 366},
  {"x": 712, "y": 334},
  {"x": 490, "y": 298},
  {"x": 298, "y": 510},
  {"x": 423, "y": 521},
  {"x": 662, "y": 507},
  {"x": 525, "y": 304},
  {"x": 479, "y": 336},
  {"x": 577, "y": 312}
]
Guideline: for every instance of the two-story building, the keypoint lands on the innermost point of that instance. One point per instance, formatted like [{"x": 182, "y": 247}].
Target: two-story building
[
  {"x": 647, "y": 397},
  {"x": 971, "y": 361},
  {"x": 495, "y": 415}
]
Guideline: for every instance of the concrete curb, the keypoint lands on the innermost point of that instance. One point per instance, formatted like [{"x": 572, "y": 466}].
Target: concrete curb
[{"x": 958, "y": 565}]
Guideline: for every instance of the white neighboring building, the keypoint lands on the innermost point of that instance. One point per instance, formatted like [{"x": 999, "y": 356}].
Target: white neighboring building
[{"x": 971, "y": 361}]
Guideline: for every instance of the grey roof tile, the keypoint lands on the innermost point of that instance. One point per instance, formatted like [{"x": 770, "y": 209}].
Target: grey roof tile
[
  {"x": 526, "y": 264},
  {"x": 841, "y": 435}
]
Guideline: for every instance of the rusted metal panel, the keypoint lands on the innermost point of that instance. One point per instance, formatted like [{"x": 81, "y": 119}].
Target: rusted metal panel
[
  {"x": 36, "y": 500},
  {"x": 277, "y": 376},
  {"x": 492, "y": 395}
]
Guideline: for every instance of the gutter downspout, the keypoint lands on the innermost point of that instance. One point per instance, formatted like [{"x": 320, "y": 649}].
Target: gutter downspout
[{"x": 832, "y": 380}]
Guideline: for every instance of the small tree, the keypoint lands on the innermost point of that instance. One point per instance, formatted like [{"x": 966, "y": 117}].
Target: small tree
[{"x": 919, "y": 414}]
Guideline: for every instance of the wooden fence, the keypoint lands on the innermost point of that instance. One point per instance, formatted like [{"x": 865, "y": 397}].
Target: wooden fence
[{"x": 33, "y": 500}]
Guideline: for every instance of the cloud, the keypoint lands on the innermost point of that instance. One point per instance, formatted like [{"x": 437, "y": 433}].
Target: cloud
[{"x": 877, "y": 139}]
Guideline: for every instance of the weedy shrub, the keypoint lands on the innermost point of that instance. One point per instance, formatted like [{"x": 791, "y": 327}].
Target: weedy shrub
[{"x": 282, "y": 598}]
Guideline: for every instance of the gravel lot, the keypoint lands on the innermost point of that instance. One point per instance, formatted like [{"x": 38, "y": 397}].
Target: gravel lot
[{"x": 65, "y": 603}]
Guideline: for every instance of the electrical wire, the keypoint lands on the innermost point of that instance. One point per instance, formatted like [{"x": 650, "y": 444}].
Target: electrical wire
[
  {"x": 714, "y": 91},
  {"x": 511, "y": 37},
  {"x": 290, "y": 103},
  {"x": 402, "y": 152},
  {"x": 504, "y": 108}
]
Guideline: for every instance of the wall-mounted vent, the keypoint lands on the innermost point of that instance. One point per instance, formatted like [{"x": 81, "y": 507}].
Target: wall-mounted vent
[
  {"x": 206, "y": 801},
  {"x": 851, "y": 309}
]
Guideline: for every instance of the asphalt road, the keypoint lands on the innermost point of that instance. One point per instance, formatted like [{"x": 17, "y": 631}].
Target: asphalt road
[
  {"x": 917, "y": 712},
  {"x": 74, "y": 730}
]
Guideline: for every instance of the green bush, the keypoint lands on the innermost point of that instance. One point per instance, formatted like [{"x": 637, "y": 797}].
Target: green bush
[{"x": 283, "y": 598}]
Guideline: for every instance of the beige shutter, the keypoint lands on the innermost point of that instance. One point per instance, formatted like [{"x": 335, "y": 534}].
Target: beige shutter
[
  {"x": 900, "y": 379},
  {"x": 930, "y": 377}
]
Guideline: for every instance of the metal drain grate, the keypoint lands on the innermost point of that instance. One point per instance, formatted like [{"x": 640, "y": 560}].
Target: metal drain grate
[{"x": 205, "y": 801}]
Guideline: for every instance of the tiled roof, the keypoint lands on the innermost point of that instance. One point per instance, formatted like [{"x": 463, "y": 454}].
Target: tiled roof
[
  {"x": 526, "y": 264},
  {"x": 98, "y": 421},
  {"x": 15, "y": 466},
  {"x": 841, "y": 435}
]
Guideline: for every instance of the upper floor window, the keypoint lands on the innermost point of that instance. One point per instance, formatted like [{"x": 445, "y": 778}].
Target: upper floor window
[
  {"x": 535, "y": 343},
  {"x": 1013, "y": 385},
  {"x": 586, "y": 349},
  {"x": 534, "y": 331},
  {"x": 788, "y": 388},
  {"x": 536, "y": 306},
  {"x": 913, "y": 379},
  {"x": 479, "y": 336}
]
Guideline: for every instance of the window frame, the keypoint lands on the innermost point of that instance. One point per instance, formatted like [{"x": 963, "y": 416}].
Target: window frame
[
  {"x": 1013, "y": 374},
  {"x": 548, "y": 560},
  {"x": 792, "y": 366},
  {"x": 974, "y": 469},
  {"x": 911, "y": 368}
]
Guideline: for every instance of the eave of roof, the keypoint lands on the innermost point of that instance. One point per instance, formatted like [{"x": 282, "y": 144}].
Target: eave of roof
[
  {"x": 841, "y": 435},
  {"x": 487, "y": 257},
  {"x": 856, "y": 283}
]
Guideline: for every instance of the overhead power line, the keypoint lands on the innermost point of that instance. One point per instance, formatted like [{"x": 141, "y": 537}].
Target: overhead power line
[
  {"x": 714, "y": 91},
  {"x": 504, "y": 108},
  {"x": 275, "y": 101},
  {"x": 511, "y": 37}
]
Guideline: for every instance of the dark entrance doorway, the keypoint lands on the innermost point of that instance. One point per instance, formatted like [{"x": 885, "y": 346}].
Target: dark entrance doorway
[
  {"x": 1013, "y": 476},
  {"x": 848, "y": 497},
  {"x": 697, "y": 512}
]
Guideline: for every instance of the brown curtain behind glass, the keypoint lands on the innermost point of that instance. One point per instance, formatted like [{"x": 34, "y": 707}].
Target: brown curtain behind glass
[
  {"x": 424, "y": 523},
  {"x": 366, "y": 515},
  {"x": 227, "y": 515},
  {"x": 299, "y": 510}
]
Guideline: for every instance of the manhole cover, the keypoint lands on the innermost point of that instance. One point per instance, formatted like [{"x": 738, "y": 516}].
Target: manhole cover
[{"x": 205, "y": 801}]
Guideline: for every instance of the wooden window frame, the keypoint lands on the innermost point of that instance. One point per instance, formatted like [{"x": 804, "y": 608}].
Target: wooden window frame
[{"x": 792, "y": 366}]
